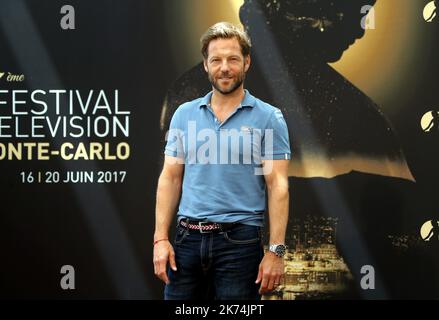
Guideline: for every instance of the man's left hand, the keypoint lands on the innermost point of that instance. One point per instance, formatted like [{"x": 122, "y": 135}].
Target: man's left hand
[{"x": 271, "y": 272}]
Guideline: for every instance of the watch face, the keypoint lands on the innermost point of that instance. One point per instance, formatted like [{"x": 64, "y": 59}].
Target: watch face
[{"x": 280, "y": 250}]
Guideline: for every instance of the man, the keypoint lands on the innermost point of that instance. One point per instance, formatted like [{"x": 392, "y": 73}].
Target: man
[
  {"x": 340, "y": 134},
  {"x": 217, "y": 250}
]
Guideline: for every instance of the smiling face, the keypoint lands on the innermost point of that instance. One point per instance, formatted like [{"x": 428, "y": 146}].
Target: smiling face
[{"x": 225, "y": 65}]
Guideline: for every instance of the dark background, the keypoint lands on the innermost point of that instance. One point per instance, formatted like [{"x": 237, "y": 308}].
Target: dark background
[
  {"x": 116, "y": 45},
  {"x": 105, "y": 231}
]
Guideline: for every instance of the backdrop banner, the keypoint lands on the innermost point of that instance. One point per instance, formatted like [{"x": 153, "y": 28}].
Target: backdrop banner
[{"x": 87, "y": 91}]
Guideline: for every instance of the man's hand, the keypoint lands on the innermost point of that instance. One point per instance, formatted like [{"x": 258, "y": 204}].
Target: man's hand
[
  {"x": 271, "y": 272},
  {"x": 168, "y": 195},
  {"x": 163, "y": 252}
]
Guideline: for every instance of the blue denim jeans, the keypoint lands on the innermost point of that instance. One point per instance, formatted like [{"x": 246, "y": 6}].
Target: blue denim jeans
[{"x": 219, "y": 265}]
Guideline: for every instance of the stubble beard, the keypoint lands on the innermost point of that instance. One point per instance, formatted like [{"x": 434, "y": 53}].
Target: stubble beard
[{"x": 239, "y": 80}]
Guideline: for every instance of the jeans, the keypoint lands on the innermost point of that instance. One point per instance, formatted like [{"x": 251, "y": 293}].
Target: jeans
[{"x": 219, "y": 265}]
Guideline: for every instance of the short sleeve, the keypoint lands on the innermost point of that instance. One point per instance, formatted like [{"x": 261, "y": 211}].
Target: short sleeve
[
  {"x": 276, "y": 142},
  {"x": 175, "y": 138}
]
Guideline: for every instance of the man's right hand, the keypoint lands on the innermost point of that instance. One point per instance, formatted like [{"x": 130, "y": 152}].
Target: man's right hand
[{"x": 163, "y": 252}]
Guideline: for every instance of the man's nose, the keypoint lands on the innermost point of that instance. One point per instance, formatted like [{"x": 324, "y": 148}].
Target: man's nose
[{"x": 225, "y": 66}]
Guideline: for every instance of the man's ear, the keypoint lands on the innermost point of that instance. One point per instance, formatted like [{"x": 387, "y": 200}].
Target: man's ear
[
  {"x": 205, "y": 65},
  {"x": 247, "y": 61}
]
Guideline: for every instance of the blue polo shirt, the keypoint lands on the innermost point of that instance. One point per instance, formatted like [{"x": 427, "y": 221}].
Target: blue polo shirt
[{"x": 223, "y": 180}]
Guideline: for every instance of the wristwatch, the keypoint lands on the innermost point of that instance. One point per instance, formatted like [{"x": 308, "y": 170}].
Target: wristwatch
[{"x": 278, "y": 249}]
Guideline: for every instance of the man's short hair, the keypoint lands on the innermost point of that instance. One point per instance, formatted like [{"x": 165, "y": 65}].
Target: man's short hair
[{"x": 225, "y": 30}]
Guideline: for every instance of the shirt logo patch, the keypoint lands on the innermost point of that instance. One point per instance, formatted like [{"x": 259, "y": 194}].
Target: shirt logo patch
[{"x": 246, "y": 129}]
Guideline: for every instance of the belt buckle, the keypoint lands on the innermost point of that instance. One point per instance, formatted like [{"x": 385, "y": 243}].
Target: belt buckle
[{"x": 200, "y": 224}]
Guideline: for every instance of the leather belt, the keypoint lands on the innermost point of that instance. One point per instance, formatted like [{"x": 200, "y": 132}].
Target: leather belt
[{"x": 206, "y": 226}]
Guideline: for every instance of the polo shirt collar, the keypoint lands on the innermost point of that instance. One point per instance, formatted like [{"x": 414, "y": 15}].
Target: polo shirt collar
[{"x": 248, "y": 101}]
